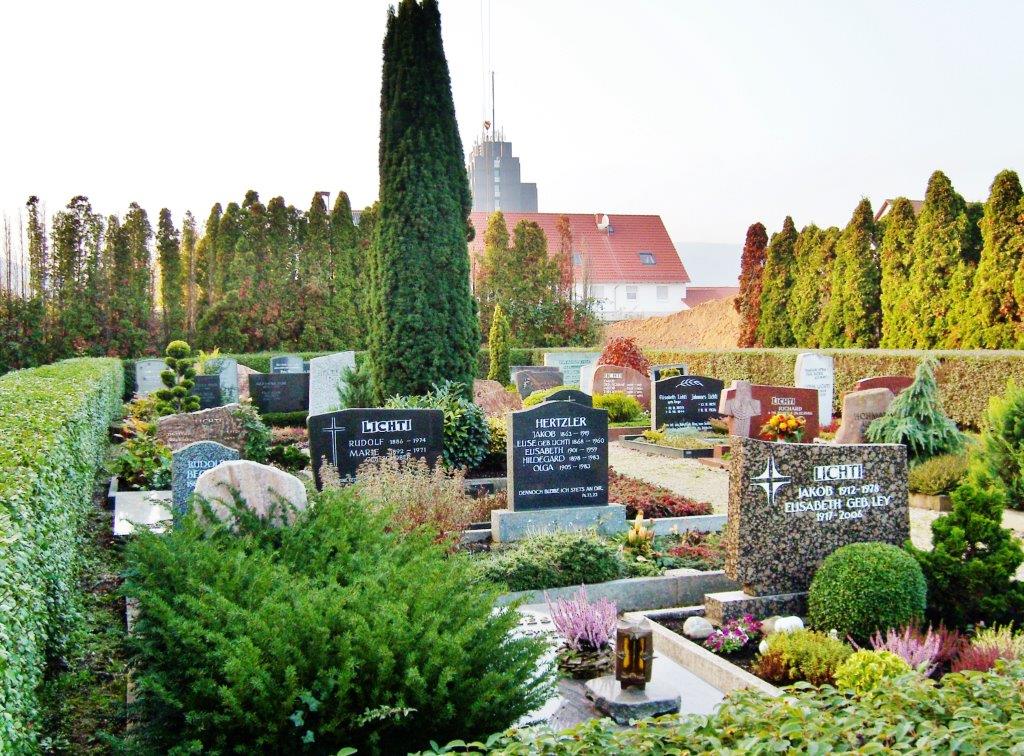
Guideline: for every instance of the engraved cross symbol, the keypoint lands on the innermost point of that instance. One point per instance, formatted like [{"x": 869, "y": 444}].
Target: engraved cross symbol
[
  {"x": 738, "y": 403},
  {"x": 333, "y": 431},
  {"x": 771, "y": 480}
]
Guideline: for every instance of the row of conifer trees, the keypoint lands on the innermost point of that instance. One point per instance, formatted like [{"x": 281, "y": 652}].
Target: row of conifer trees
[{"x": 946, "y": 274}]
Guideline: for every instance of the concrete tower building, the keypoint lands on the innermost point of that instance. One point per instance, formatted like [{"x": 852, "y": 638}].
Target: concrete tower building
[{"x": 494, "y": 177}]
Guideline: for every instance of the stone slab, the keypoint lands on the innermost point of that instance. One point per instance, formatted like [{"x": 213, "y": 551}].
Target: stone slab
[
  {"x": 208, "y": 390},
  {"x": 266, "y": 491},
  {"x": 860, "y": 408},
  {"x": 287, "y": 363},
  {"x": 280, "y": 392},
  {"x": 189, "y": 462},
  {"x": 218, "y": 424},
  {"x": 686, "y": 403},
  {"x": 226, "y": 369},
  {"x": 626, "y": 705},
  {"x": 147, "y": 376},
  {"x": 508, "y": 525},
  {"x": 729, "y": 605},
  {"x": 148, "y": 509},
  {"x": 657, "y": 370},
  {"x": 817, "y": 371},
  {"x": 244, "y": 371},
  {"x": 494, "y": 399},
  {"x": 325, "y": 381},
  {"x": 895, "y": 383},
  {"x": 530, "y": 379},
  {"x": 572, "y": 395},
  {"x": 939, "y": 503},
  {"x": 570, "y": 364}
]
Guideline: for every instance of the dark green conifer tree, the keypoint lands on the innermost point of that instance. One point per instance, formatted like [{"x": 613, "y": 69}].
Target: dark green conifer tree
[
  {"x": 75, "y": 324},
  {"x": 896, "y": 257},
  {"x": 38, "y": 250},
  {"x": 189, "y": 262},
  {"x": 776, "y": 289},
  {"x": 319, "y": 322},
  {"x": 206, "y": 259},
  {"x": 853, "y": 318},
  {"x": 229, "y": 229},
  {"x": 347, "y": 276},
  {"x": 138, "y": 233},
  {"x": 168, "y": 249},
  {"x": 807, "y": 285},
  {"x": 423, "y": 328}
]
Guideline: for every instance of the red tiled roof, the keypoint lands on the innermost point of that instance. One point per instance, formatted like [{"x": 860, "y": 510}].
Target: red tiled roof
[
  {"x": 607, "y": 257},
  {"x": 696, "y": 295}
]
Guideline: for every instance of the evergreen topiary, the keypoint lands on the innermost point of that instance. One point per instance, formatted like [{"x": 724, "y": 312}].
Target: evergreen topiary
[
  {"x": 916, "y": 419},
  {"x": 865, "y": 587},
  {"x": 999, "y": 461},
  {"x": 179, "y": 380},
  {"x": 970, "y": 569},
  {"x": 498, "y": 347}
]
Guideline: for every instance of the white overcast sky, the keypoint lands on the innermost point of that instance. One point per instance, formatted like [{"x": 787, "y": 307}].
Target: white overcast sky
[{"x": 711, "y": 114}]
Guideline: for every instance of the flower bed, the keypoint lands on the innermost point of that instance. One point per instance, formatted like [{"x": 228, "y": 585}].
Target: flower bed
[{"x": 653, "y": 501}]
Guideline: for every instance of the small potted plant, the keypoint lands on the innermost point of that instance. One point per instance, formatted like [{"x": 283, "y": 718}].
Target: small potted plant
[
  {"x": 588, "y": 634},
  {"x": 784, "y": 428}
]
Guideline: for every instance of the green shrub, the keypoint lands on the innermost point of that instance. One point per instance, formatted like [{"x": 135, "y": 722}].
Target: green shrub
[
  {"x": 336, "y": 632},
  {"x": 356, "y": 389},
  {"x": 143, "y": 463},
  {"x": 864, "y": 587},
  {"x": 288, "y": 457},
  {"x": 285, "y": 419},
  {"x": 466, "y": 433},
  {"x": 542, "y": 396},
  {"x": 257, "y": 434},
  {"x": 53, "y": 434},
  {"x": 621, "y": 408},
  {"x": 554, "y": 560},
  {"x": 179, "y": 381},
  {"x": 802, "y": 655},
  {"x": 970, "y": 568},
  {"x": 1000, "y": 459},
  {"x": 867, "y": 670},
  {"x": 938, "y": 475},
  {"x": 498, "y": 347},
  {"x": 497, "y": 446},
  {"x": 916, "y": 419},
  {"x": 968, "y": 713}
]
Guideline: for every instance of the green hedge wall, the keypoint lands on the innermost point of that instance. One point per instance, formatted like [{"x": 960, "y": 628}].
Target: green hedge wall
[
  {"x": 966, "y": 378},
  {"x": 53, "y": 434}
]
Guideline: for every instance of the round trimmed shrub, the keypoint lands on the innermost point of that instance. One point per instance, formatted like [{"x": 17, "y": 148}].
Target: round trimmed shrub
[
  {"x": 866, "y": 587},
  {"x": 622, "y": 408},
  {"x": 867, "y": 670},
  {"x": 466, "y": 432}
]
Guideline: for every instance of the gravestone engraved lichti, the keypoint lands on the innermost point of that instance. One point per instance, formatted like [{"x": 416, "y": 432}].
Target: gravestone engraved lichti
[
  {"x": 572, "y": 395},
  {"x": 895, "y": 383},
  {"x": 220, "y": 424},
  {"x": 817, "y": 371},
  {"x": 570, "y": 364},
  {"x": 188, "y": 463},
  {"x": 279, "y": 392},
  {"x": 860, "y": 409},
  {"x": 528, "y": 380},
  {"x": 347, "y": 438},
  {"x": 287, "y": 363},
  {"x": 208, "y": 390},
  {"x": 226, "y": 369},
  {"x": 746, "y": 407},
  {"x": 147, "y": 376},
  {"x": 494, "y": 399},
  {"x": 612, "y": 379},
  {"x": 686, "y": 402},
  {"x": 658, "y": 371},
  {"x": 325, "y": 380}
]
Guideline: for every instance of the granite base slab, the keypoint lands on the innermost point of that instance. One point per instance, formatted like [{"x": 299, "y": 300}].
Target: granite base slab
[
  {"x": 508, "y": 525},
  {"x": 728, "y": 605},
  {"x": 940, "y": 503},
  {"x": 625, "y": 705},
  {"x": 149, "y": 509}
]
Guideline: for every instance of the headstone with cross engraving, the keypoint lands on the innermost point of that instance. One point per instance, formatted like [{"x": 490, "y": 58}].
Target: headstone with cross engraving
[
  {"x": 347, "y": 438},
  {"x": 746, "y": 407}
]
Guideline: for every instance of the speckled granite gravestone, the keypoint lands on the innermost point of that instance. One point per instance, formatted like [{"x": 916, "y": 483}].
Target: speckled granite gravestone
[
  {"x": 494, "y": 400},
  {"x": 860, "y": 409},
  {"x": 218, "y": 424},
  {"x": 191, "y": 461},
  {"x": 791, "y": 505},
  {"x": 895, "y": 383}
]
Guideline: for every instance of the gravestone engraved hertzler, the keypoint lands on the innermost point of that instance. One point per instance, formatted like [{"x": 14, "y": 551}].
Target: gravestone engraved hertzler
[
  {"x": 686, "y": 402},
  {"x": 191, "y": 461},
  {"x": 558, "y": 457},
  {"x": 280, "y": 392},
  {"x": 348, "y": 438},
  {"x": 791, "y": 505}
]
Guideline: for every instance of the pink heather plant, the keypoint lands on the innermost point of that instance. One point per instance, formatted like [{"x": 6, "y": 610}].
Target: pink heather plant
[
  {"x": 584, "y": 626},
  {"x": 920, "y": 652}
]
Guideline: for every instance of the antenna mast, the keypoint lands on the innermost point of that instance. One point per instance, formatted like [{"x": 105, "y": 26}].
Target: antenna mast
[{"x": 494, "y": 122}]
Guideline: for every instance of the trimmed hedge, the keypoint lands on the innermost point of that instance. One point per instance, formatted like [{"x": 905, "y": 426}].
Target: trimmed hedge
[{"x": 53, "y": 434}]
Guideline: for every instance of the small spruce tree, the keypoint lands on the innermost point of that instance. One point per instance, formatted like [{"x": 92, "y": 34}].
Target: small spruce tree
[
  {"x": 179, "y": 380},
  {"x": 498, "y": 347}
]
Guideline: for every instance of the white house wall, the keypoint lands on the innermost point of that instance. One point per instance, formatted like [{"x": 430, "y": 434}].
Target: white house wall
[{"x": 622, "y": 301}]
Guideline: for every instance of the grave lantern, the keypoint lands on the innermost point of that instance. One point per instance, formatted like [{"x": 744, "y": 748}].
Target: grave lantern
[{"x": 634, "y": 654}]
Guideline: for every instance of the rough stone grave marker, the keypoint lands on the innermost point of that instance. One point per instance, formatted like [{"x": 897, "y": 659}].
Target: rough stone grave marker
[
  {"x": 494, "y": 400},
  {"x": 147, "y": 376},
  {"x": 188, "y": 463},
  {"x": 287, "y": 363},
  {"x": 280, "y": 392},
  {"x": 219, "y": 424},
  {"x": 612, "y": 379},
  {"x": 572, "y": 395},
  {"x": 570, "y": 364},
  {"x": 686, "y": 402},
  {"x": 746, "y": 407},
  {"x": 817, "y": 371},
  {"x": 325, "y": 379},
  {"x": 208, "y": 389},
  {"x": 267, "y": 492},
  {"x": 860, "y": 408},
  {"x": 349, "y": 437},
  {"x": 530, "y": 379},
  {"x": 895, "y": 383}
]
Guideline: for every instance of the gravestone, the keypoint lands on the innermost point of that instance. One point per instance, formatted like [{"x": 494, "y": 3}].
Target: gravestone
[
  {"x": 147, "y": 376},
  {"x": 532, "y": 379},
  {"x": 325, "y": 380},
  {"x": 686, "y": 402},
  {"x": 494, "y": 399},
  {"x": 219, "y": 424},
  {"x": 657, "y": 371},
  {"x": 860, "y": 408},
  {"x": 572, "y": 395},
  {"x": 587, "y": 378},
  {"x": 817, "y": 371},
  {"x": 244, "y": 372},
  {"x": 895, "y": 383},
  {"x": 746, "y": 407},
  {"x": 208, "y": 390},
  {"x": 287, "y": 363},
  {"x": 349, "y": 437},
  {"x": 612, "y": 379},
  {"x": 279, "y": 392},
  {"x": 226, "y": 369},
  {"x": 570, "y": 363},
  {"x": 267, "y": 492},
  {"x": 188, "y": 463},
  {"x": 791, "y": 505}
]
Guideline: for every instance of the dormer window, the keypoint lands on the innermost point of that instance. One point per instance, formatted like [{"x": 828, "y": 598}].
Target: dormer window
[
  {"x": 577, "y": 259},
  {"x": 647, "y": 258}
]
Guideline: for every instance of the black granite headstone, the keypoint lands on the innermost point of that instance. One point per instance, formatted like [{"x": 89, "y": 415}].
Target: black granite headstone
[
  {"x": 348, "y": 438},
  {"x": 280, "y": 392},
  {"x": 571, "y": 395},
  {"x": 208, "y": 390},
  {"x": 558, "y": 457},
  {"x": 686, "y": 402}
]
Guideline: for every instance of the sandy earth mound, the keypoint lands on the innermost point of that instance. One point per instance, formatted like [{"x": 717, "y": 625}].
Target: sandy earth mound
[{"x": 712, "y": 325}]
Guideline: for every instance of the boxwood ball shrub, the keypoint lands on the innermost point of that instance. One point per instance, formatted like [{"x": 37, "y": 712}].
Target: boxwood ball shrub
[
  {"x": 621, "y": 407},
  {"x": 864, "y": 587},
  {"x": 938, "y": 475},
  {"x": 553, "y": 560},
  {"x": 335, "y": 632},
  {"x": 466, "y": 433}
]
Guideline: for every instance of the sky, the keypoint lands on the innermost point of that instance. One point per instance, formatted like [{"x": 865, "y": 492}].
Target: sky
[{"x": 712, "y": 114}]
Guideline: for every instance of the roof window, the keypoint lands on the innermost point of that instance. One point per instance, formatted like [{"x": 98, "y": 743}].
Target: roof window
[{"x": 647, "y": 258}]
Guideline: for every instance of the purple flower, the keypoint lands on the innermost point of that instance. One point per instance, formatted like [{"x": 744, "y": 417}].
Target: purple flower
[{"x": 583, "y": 625}]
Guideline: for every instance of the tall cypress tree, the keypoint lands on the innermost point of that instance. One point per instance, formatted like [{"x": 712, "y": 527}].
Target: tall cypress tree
[
  {"x": 229, "y": 229},
  {"x": 38, "y": 251},
  {"x": 940, "y": 274},
  {"x": 138, "y": 233},
  {"x": 854, "y": 318},
  {"x": 807, "y": 282},
  {"x": 188, "y": 257},
  {"x": 773, "y": 329},
  {"x": 995, "y": 314},
  {"x": 206, "y": 259},
  {"x": 748, "y": 301},
  {"x": 168, "y": 249},
  {"x": 896, "y": 257},
  {"x": 423, "y": 327},
  {"x": 347, "y": 276},
  {"x": 314, "y": 275}
]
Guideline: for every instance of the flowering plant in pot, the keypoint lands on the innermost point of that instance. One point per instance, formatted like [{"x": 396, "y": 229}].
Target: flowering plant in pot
[
  {"x": 587, "y": 631},
  {"x": 784, "y": 428}
]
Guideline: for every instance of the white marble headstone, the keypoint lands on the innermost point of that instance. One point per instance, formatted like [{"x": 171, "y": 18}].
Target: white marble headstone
[
  {"x": 324, "y": 380},
  {"x": 814, "y": 370},
  {"x": 147, "y": 376}
]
